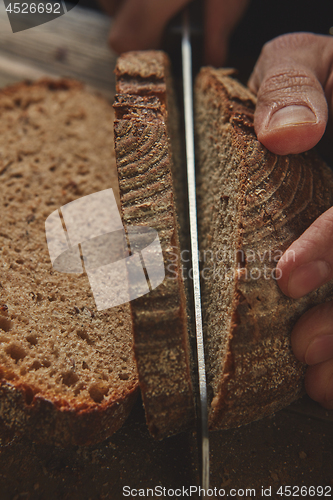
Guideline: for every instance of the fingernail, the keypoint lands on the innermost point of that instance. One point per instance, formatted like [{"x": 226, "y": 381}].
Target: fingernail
[
  {"x": 320, "y": 349},
  {"x": 291, "y": 115},
  {"x": 307, "y": 278}
]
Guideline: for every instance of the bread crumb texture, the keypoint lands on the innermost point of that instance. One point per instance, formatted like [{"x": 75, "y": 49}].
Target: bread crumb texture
[{"x": 62, "y": 363}]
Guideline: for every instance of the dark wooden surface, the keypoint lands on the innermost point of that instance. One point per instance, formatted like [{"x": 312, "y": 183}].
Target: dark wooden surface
[
  {"x": 294, "y": 447},
  {"x": 73, "y": 45}
]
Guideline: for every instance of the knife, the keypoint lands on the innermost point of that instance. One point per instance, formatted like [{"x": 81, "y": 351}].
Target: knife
[{"x": 190, "y": 163}]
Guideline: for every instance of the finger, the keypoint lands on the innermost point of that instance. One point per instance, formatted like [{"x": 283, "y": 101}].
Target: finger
[
  {"x": 139, "y": 24},
  {"x": 319, "y": 383},
  {"x": 293, "y": 81},
  {"x": 308, "y": 262},
  {"x": 221, "y": 16},
  {"x": 312, "y": 336}
]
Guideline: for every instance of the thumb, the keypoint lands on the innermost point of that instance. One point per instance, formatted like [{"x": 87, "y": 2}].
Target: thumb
[
  {"x": 308, "y": 262},
  {"x": 293, "y": 80}
]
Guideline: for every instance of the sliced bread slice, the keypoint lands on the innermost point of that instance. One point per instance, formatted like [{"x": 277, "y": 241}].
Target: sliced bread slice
[
  {"x": 148, "y": 161},
  {"x": 67, "y": 373},
  {"x": 252, "y": 205}
]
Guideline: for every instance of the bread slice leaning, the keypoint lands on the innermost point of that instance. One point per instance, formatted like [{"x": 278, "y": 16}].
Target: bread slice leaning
[
  {"x": 67, "y": 373},
  {"x": 148, "y": 161},
  {"x": 252, "y": 205}
]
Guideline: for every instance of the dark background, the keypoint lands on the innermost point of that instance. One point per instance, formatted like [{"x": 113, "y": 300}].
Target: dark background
[{"x": 264, "y": 20}]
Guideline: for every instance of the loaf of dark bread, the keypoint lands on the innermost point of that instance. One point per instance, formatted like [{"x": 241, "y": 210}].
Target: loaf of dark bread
[
  {"x": 252, "y": 205},
  {"x": 67, "y": 373},
  {"x": 148, "y": 170}
]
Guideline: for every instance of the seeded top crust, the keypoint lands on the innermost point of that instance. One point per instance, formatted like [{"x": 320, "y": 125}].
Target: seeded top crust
[{"x": 67, "y": 371}]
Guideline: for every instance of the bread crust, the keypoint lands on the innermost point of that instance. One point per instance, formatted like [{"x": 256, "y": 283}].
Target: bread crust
[
  {"x": 147, "y": 193},
  {"x": 50, "y": 416},
  {"x": 277, "y": 198},
  {"x": 60, "y": 421}
]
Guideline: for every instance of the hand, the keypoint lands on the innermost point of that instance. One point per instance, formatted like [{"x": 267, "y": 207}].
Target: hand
[
  {"x": 139, "y": 24},
  {"x": 293, "y": 79}
]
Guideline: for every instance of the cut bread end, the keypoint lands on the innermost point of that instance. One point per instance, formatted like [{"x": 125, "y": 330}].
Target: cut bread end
[
  {"x": 67, "y": 373},
  {"x": 252, "y": 205},
  {"x": 146, "y": 135}
]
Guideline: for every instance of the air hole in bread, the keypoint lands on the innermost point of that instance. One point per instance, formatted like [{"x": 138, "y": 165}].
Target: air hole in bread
[
  {"x": 32, "y": 339},
  {"x": 123, "y": 376},
  {"x": 85, "y": 365},
  {"x": 36, "y": 365},
  {"x": 98, "y": 391},
  {"x": 28, "y": 395},
  {"x": 83, "y": 170},
  {"x": 84, "y": 336},
  {"x": 10, "y": 375},
  {"x": 79, "y": 388},
  {"x": 241, "y": 258},
  {"x": 15, "y": 351},
  {"x": 224, "y": 200},
  {"x": 5, "y": 324},
  {"x": 69, "y": 378}
]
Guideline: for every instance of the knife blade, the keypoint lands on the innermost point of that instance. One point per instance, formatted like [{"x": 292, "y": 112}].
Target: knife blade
[{"x": 191, "y": 185}]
